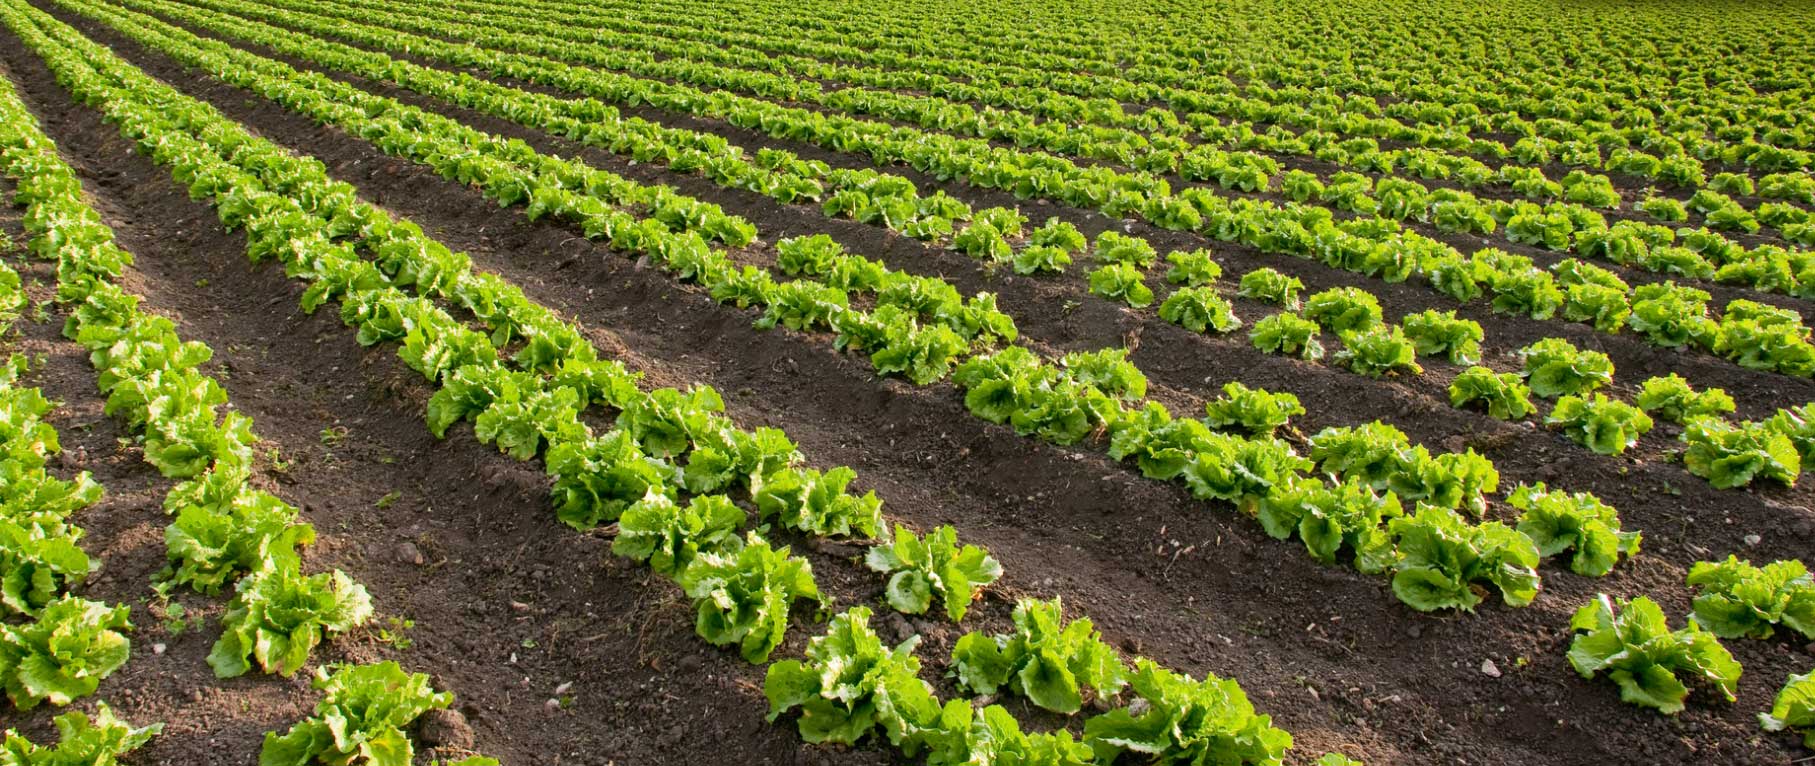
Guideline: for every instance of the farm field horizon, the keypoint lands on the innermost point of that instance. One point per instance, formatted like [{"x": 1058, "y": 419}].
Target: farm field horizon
[{"x": 1006, "y": 383}]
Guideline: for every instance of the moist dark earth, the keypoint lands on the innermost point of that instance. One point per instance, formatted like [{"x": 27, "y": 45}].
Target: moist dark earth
[{"x": 560, "y": 653}]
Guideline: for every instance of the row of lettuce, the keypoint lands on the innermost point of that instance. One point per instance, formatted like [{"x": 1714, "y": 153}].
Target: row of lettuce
[
  {"x": 827, "y": 278},
  {"x": 54, "y": 645},
  {"x": 668, "y": 469},
  {"x": 225, "y": 533}
]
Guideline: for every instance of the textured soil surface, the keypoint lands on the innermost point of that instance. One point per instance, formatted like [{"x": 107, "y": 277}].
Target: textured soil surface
[{"x": 560, "y": 653}]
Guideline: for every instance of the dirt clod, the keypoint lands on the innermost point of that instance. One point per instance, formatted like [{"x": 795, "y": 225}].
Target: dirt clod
[{"x": 445, "y": 728}]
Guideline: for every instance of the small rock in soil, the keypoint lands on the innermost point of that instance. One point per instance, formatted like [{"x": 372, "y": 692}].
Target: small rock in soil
[
  {"x": 408, "y": 553},
  {"x": 1489, "y": 669},
  {"x": 446, "y": 728}
]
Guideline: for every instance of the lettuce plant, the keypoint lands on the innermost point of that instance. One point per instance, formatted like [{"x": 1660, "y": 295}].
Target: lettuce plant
[
  {"x": 1672, "y": 398},
  {"x": 1758, "y": 345},
  {"x": 28, "y": 492},
  {"x": 1672, "y": 317},
  {"x": 1458, "y": 278},
  {"x": 1502, "y": 394},
  {"x": 63, "y": 653},
  {"x": 1343, "y": 310},
  {"x": 81, "y": 741},
  {"x": 850, "y": 683},
  {"x": 596, "y": 479},
  {"x": 730, "y": 458},
  {"x": 1015, "y": 387},
  {"x": 436, "y": 349},
  {"x": 1732, "y": 455},
  {"x": 1738, "y": 599},
  {"x": 1199, "y": 309},
  {"x": 923, "y": 567},
  {"x": 38, "y": 563},
  {"x": 1442, "y": 557},
  {"x": 1254, "y": 411},
  {"x": 983, "y": 241},
  {"x": 1379, "y": 350},
  {"x": 1329, "y": 519},
  {"x": 1606, "y": 426},
  {"x": 1528, "y": 292},
  {"x": 818, "y": 504},
  {"x": 1046, "y": 660},
  {"x": 1604, "y": 307},
  {"x": 1113, "y": 248},
  {"x": 1121, "y": 282},
  {"x": 669, "y": 535},
  {"x": 810, "y": 256},
  {"x": 1160, "y": 445},
  {"x": 279, "y": 615},
  {"x": 1288, "y": 334},
  {"x": 1442, "y": 333},
  {"x": 1798, "y": 425},
  {"x": 224, "y": 529},
  {"x": 1452, "y": 480},
  {"x": 469, "y": 390},
  {"x": 1270, "y": 286},
  {"x": 1571, "y": 272},
  {"x": 362, "y": 718},
  {"x": 1794, "y": 709},
  {"x": 1241, "y": 470},
  {"x": 1107, "y": 370},
  {"x": 185, "y": 444},
  {"x": 920, "y": 354},
  {"x": 23, "y": 433},
  {"x": 1633, "y": 644},
  {"x": 1554, "y": 367},
  {"x": 968, "y": 735},
  {"x": 804, "y": 306},
  {"x": 1058, "y": 235},
  {"x": 743, "y": 596},
  {"x": 1180, "y": 720},
  {"x": 1560, "y": 521},
  {"x": 1370, "y": 452},
  {"x": 1664, "y": 209},
  {"x": 1193, "y": 269},
  {"x": 1036, "y": 259}
]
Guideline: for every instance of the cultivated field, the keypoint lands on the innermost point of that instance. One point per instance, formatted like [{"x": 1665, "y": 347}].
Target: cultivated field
[{"x": 1003, "y": 383}]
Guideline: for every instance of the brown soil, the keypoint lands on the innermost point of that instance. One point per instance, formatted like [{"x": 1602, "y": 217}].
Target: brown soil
[{"x": 1330, "y": 653}]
